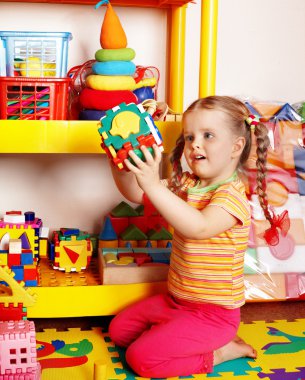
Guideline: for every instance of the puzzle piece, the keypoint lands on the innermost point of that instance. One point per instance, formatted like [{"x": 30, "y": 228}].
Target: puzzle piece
[
  {"x": 114, "y": 358},
  {"x": 294, "y": 344},
  {"x": 281, "y": 374},
  {"x": 240, "y": 367}
]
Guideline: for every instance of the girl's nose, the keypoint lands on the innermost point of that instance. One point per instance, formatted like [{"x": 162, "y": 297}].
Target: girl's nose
[{"x": 196, "y": 144}]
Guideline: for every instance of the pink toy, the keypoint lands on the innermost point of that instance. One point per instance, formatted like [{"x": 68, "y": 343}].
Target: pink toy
[{"x": 18, "y": 358}]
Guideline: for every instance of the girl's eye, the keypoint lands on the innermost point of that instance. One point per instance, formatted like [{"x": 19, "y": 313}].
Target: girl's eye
[
  {"x": 208, "y": 135},
  {"x": 189, "y": 138}
]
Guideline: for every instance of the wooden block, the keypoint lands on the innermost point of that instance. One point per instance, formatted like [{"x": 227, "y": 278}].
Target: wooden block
[
  {"x": 108, "y": 243},
  {"x": 130, "y": 273}
]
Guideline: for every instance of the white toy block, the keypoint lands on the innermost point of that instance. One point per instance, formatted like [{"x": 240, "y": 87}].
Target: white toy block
[
  {"x": 44, "y": 232},
  {"x": 15, "y": 246},
  {"x": 14, "y": 218}
]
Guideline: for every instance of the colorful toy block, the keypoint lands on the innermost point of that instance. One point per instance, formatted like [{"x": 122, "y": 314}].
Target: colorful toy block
[
  {"x": 18, "y": 357},
  {"x": 72, "y": 250},
  {"x": 127, "y": 127},
  {"x": 22, "y": 262},
  {"x": 26, "y": 227}
]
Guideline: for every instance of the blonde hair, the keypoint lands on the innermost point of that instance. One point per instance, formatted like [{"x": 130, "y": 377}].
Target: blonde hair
[{"x": 237, "y": 113}]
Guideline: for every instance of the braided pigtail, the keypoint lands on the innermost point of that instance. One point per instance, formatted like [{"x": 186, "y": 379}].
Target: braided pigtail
[
  {"x": 175, "y": 160},
  {"x": 262, "y": 141},
  {"x": 277, "y": 222}
]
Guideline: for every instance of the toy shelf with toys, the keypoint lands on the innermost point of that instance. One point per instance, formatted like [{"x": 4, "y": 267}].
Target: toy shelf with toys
[
  {"x": 84, "y": 294},
  {"x": 129, "y": 3}
]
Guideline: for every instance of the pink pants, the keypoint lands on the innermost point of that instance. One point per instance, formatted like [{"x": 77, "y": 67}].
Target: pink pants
[{"x": 169, "y": 338}]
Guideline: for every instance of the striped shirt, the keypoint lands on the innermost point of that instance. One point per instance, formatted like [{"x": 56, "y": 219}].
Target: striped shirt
[{"x": 211, "y": 270}]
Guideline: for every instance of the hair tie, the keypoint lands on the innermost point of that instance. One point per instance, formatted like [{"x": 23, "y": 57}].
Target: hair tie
[
  {"x": 278, "y": 223},
  {"x": 252, "y": 121}
]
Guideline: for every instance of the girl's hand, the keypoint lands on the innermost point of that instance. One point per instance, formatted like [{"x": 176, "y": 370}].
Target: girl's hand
[{"x": 146, "y": 172}]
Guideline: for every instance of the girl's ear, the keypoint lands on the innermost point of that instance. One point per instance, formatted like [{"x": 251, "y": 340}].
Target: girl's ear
[{"x": 238, "y": 146}]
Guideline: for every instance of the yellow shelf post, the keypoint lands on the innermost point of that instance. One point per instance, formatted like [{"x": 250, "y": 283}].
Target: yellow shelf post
[
  {"x": 208, "y": 47},
  {"x": 177, "y": 56}
]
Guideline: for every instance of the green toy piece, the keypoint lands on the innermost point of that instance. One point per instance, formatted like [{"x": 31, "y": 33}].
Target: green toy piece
[
  {"x": 123, "y": 209},
  {"x": 132, "y": 232},
  {"x": 161, "y": 234}
]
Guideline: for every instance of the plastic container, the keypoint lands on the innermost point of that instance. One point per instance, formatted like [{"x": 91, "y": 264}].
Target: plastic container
[
  {"x": 33, "y": 98},
  {"x": 34, "y": 54}
]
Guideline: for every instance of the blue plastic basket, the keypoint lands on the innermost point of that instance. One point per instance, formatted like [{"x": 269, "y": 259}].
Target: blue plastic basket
[{"x": 34, "y": 54}]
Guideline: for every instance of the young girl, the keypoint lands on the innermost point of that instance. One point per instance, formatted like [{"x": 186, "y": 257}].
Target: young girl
[{"x": 193, "y": 327}]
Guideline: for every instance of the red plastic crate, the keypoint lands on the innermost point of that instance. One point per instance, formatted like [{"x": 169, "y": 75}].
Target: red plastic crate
[{"x": 33, "y": 98}]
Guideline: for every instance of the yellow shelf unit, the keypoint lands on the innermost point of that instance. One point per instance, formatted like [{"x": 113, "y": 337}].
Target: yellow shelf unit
[
  {"x": 82, "y": 137},
  {"x": 80, "y": 301},
  {"x": 64, "y": 136}
]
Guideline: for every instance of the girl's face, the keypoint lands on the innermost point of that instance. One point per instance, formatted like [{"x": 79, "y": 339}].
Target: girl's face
[{"x": 211, "y": 149}]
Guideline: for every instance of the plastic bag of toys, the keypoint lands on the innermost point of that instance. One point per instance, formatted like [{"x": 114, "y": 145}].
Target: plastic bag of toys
[{"x": 277, "y": 272}]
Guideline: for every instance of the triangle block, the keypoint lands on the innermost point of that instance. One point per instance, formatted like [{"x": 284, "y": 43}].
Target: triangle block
[
  {"x": 140, "y": 210},
  {"x": 123, "y": 209},
  {"x": 25, "y": 243},
  {"x": 161, "y": 234},
  {"x": 108, "y": 232},
  {"x": 132, "y": 232}
]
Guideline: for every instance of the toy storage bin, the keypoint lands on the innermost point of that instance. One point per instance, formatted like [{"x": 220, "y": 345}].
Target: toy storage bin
[
  {"x": 33, "y": 98},
  {"x": 34, "y": 54}
]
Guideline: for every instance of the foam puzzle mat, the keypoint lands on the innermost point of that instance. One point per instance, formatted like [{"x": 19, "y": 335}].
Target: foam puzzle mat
[{"x": 71, "y": 354}]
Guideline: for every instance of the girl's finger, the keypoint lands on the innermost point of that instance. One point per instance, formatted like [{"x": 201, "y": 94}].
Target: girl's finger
[
  {"x": 131, "y": 167},
  {"x": 148, "y": 156},
  {"x": 157, "y": 153},
  {"x": 138, "y": 162}
]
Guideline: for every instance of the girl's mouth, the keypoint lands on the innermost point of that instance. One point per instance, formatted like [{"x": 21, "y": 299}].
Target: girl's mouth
[{"x": 199, "y": 157}]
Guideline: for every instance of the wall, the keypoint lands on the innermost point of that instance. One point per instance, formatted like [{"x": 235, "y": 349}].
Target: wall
[
  {"x": 260, "y": 52},
  {"x": 259, "y": 55}
]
